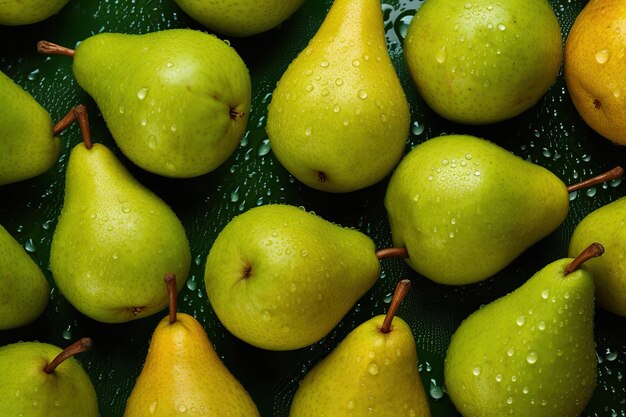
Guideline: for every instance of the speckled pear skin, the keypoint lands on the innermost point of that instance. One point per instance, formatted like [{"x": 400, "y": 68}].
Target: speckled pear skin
[
  {"x": 26, "y": 390},
  {"x": 25, "y": 12},
  {"x": 24, "y": 291},
  {"x": 529, "y": 353},
  {"x": 465, "y": 208},
  {"x": 369, "y": 373},
  {"x": 177, "y": 103},
  {"x": 338, "y": 120},
  {"x": 483, "y": 61},
  {"x": 183, "y": 375},
  {"x": 27, "y": 145},
  {"x": 239, "y": 17},
  {"x": 281, "y": 278},
  {"x": 605, "y": 225},
  {"x": 115, "y": 241}
]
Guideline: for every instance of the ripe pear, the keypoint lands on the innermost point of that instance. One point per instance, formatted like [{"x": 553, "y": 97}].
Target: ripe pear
[
  {"x": 480, "y": 61},
  {"x": 373, "y": 371},
  {"x": 175, "y": 101},
  {"x": 338, "y": 119},
  {"x": 239, "y": 17},
  {"x": 531, "y": 352},
  {"x": 24, "y": 291},
  {"x": 281, "y": 278},
  {"x": 42, "y": 380},
  {"x": 25, "y": 12},
  {"x": 28, "y": 145},
  {"x": 183, "y": 374},
  {"x": 606, "y": 225},
  {"x": 114, "y": 241}
]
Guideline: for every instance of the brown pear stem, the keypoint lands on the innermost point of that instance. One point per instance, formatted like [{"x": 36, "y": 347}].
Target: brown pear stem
[
  {"x": 170, "y": 282},
  {"x": 75, "y": 348},
  {"x": 592, "y": 251},
  {"x": 402, "y": 289},
  {"x": 611, "y": 175},
  {"x": 49, "y": 48},
  {"x": 392, "y": 253},
  {"x": 79, "y": 114}
]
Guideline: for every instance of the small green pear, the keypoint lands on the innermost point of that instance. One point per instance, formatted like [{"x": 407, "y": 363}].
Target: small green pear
[
  {"x": 480, "y": 61},
  {"x": 114, "y": 241},
  {"x": 373, "y": 371},
  {"x": 281, "y": 278},
  {"x": 338, "y": 119},
  {"x": 239, "y": 17},
  {"x": 175, "y": 101},
  {"x": 456, "y": 199},
  {"x": 25, "y": 12},
  {"x": 42, "y": 380},
  {"x": 531, "y": 352},
  {"x": 28, "y": 145},
  {"x": 184, "y": 375},
  {"x": 606, "y": 225},
  {"x": 24, "y": 291}
]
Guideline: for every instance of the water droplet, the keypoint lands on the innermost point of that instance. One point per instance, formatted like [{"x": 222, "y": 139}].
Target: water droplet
[
  {"x": 501, "y": 26},
  {"x": 142, "y": 93},
  {"x": 440, "y": 56},
  {"x": 152, "y": 142},
  {"x": 182, "y": 408},
  {"x": 265, "y": 148},
  {"x": 308, "y": 131},
  {"x": 520, "y": 320},
  {"x": 324, "y": 64},
  {"x": 336, "y": 108},
  {"x": 435, "y": 391},
  {"x": 152, "y": 407},
  {"x": 531, "y": 358},
  {"x": 430, "y": 178},
  {"x": 173, "y": 128},
  {"x": 468, "y": 5},
  {"x": 383, "y": 117},
  {"x": 509, "y": 400},
  {"x": 602, "y": 56},
  {"x": 30, "y": 246},
  {"x": 545, "y": 294},
  {"x": 266, "y": 315},
  {"x": 542, "y": 325},
  {"x": 339, "y": 81},
  {"x": 121, "y": 109},
  {"x": 476, "y": 371},
  {"x": 510, "y": 352},
  {"x": 356, "y": 63},
  {"x": 363, "y": 94},
  {"x": 372, "y": 368},
  {"x": 350, "y": 405},
  {"x": 170, "y": 166},
  {"x": 477, "y": 173},
  {"x": 309, "y": 88},
  {"x": 417, "y": 128},
  {"x": 591, "y": 192},
  {"x": 67, "y": 333},
  {"x": 611, "y": 355},
  {"x": 499, "y": 378}
]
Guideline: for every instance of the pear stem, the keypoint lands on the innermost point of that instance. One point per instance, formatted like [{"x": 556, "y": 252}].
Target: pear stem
[
  {"x": 49, "y": 48},
  {"x": 402, "y": 289},
  {"x": 392, "y": 253},
  {"x": 592, "y": 251},
  {"x": 170, "y": 282},
  {"x": 610, "y": 175},
  {"x": 75, "y": 348},
  {"x": 79, "y": 114}
]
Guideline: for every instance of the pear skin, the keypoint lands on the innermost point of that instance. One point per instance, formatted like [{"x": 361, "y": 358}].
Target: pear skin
[
  {"x": 338, "y": 119},
  {"x": 18, "y": 12}
]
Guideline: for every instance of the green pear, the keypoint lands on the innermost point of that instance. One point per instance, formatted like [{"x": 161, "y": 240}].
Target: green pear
[
  {"x": 24, "y": 291},
  {"x": 456, "y": 199},
  {"x": 42, "y": 380},
  {"x": 184, "y": 375},
  {"x": 25, "y": 12},
  {"x": 114, "y": 241},
  {"x": 28, "y": 146},
  {"x": 606, "y": 225},
  {"x": 480, "y": 61},
  {"x": 338, "y": 119},
  {"x": 175, "y": 101},
  {"x": 531, "y": 352},
  {"x": 239, "y": 17},
  {"x": 281, "y": 278}
]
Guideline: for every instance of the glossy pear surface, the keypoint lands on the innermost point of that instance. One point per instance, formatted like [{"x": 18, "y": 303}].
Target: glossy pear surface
[
  {"x": 529, "y": 353},
  {"x": 176, "y": 101},
  {"x": 465, "y": 208},
  {"x": 605, "y": 225},
  {"x": 280, "y": 278},
  {"x": 368, "y": 373},
  {"x": 481, "y": 62},
  {"x": 24, "y": 291},
  {"x": 27, "y": 145},
  {"x": 115, "y": 240},
  {"x": 183, "y": 375},
  {"x": 239, "y": 17},
  {"x": 338, "y": 119},
  {"x": 25, "y": 12},
  {"x": 26, "y": 390}
]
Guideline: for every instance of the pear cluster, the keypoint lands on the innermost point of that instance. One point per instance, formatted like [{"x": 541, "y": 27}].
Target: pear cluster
[{"x": 460, "y": 209}]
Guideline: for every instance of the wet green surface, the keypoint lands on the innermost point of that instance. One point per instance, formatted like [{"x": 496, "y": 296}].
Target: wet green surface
[{"x": 550, "y": 134}]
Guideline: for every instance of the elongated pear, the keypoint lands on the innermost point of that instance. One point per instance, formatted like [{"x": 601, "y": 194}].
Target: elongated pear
[
  {"x": 281, "y": 278},
  {"x": 24, "y": 291},
  {"x": 531, "y": 352},
  {"x": 114, "y": 241},
  {"x": 26, "y": 12},
  {"x": 338, "y": 119},
  {"x": 373, "y": 371},
  {"x": 184, "y": 375}
]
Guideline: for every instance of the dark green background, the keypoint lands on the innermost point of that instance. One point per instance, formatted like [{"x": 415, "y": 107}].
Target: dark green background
[{"x": 550, "y": 134}]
